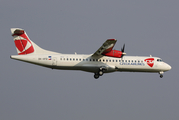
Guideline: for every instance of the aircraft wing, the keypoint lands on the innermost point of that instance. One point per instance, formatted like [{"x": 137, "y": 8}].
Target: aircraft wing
[{"x": 106, "y": 47}]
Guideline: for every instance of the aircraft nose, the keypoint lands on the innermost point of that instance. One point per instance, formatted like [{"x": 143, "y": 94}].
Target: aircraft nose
[{"x": 168, "y": 67}]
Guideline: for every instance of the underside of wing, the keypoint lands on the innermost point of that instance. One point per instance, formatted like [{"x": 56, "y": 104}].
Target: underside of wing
[{"x": 106, "y": 47}]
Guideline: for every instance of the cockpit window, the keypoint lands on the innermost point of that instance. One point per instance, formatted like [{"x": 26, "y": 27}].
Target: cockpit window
[{"x": 159, "y": 60}]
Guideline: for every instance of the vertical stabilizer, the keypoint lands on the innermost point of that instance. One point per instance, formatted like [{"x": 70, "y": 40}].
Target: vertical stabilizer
[{"x": 24, "y": 45}]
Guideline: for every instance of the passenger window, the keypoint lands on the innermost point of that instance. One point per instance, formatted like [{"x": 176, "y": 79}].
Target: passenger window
[
  {"x": 106, "y": 60},
  {"x": 113, "y": 60},
  {"x": 128, "y": 60}
]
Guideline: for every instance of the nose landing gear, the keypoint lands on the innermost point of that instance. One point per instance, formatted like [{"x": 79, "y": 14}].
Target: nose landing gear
[{"x": 161, "y": 74}]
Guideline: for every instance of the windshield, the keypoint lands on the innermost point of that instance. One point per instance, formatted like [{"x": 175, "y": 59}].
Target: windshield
[{"x": 159, "y": 60}]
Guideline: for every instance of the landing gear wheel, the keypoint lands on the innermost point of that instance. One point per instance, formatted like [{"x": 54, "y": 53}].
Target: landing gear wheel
[
  {"x": 100, "y": 72},
  {"x": 96, "y": 76},
  {"x": 161, "y": 76}
]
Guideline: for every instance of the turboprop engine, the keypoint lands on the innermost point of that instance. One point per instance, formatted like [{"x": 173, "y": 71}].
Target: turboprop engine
[{"x": 116, "y": 53}]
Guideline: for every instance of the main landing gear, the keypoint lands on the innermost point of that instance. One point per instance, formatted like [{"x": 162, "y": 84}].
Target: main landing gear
[
  {"x": 99, "y": 73},
  {"x": 96, "y": 75},
  {"x": 161, "y": 74}
]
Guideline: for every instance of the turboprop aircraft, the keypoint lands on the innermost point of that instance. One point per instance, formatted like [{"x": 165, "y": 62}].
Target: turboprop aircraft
[{"x": 104, "y": 60}]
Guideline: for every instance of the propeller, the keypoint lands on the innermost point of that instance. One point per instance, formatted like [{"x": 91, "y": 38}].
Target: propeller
[{"x": 122, "y": 50}]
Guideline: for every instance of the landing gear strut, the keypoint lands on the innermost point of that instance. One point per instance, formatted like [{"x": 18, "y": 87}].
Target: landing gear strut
[{"x": 161, "y": 74}]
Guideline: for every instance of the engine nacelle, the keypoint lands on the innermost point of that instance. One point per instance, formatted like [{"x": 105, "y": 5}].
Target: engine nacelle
[{"x": 114, "y": 53}]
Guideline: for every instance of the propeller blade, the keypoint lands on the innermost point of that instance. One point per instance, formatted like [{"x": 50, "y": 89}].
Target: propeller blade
[{"x": 122, "y": 49}]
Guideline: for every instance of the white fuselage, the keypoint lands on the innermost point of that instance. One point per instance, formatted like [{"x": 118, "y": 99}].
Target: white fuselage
[
  {"x": 89, "y": 63},
  {"x": 104, "y": 60}
]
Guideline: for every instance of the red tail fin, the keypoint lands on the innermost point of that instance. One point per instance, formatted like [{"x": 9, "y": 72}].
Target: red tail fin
[
  {"x": 22, "y": 41},
  {"x": 24, "y": 45}
]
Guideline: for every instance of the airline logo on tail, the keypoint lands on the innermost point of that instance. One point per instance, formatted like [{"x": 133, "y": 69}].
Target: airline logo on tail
[
  {"x": 150, "y": 61},
  {"x": 22, "y": 42}
]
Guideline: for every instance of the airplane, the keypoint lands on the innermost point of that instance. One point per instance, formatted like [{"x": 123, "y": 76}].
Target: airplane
[{"x": 104, "y": 60}]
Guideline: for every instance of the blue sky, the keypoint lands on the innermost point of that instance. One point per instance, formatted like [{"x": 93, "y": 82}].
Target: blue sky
[{"x": 33, "y": 92}]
